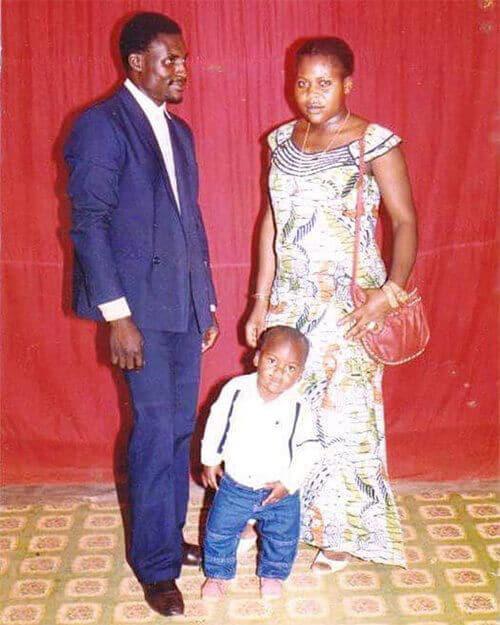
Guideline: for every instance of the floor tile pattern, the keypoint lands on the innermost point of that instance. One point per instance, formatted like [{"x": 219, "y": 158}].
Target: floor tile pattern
[{"x": 62, "y": 564}]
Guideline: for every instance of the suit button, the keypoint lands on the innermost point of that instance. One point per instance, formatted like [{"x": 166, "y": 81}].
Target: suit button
[{"x": 156, "y": 260}]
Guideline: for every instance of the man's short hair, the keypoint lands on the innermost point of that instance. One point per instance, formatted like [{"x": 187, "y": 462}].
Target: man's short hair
[
  {"x": 141, "y": 30},
  {"x": 287, "y": 332}
]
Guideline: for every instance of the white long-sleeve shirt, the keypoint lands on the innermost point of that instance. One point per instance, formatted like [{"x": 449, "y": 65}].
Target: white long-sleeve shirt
[{"x": 260, "y": 441}]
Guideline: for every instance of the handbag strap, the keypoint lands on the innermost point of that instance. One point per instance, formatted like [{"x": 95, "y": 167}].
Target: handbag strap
[{"x": 360, "y": 208}]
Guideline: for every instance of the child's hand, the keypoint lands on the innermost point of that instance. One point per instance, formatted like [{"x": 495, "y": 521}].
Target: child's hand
[
  {"x": 277, "y": 493},
  {"x": 209, "y": 476}
]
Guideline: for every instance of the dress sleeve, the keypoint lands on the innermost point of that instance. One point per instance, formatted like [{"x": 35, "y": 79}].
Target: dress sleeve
[
  {"x": 280, "y": 134},
  {"x": 378, "y": 141},
  {"x": 271, "y": 140}
]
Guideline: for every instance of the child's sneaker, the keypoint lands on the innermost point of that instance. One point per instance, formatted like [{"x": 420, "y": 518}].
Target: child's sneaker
[
  {"x": 270, "y": 588},
  {"x": 213, "y": 589}
]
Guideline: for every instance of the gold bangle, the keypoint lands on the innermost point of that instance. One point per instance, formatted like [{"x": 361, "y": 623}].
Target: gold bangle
[
  {"x": 391, "y": 298},
  {"x": 263, "y": 296}
]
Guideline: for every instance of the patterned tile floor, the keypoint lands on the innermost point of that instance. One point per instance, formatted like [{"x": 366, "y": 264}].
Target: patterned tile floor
[{"x": 62, "y": 563}]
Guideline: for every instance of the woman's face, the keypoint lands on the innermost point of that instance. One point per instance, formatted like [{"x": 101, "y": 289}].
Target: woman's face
[{"x": 320, "y": 88}]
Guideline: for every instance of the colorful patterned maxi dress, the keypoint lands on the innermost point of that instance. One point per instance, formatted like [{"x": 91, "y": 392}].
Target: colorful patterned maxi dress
[{"x": 347, "y": 502}]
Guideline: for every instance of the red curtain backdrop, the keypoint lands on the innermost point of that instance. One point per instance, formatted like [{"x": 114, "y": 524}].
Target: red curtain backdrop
[{"x": 425, "y": 68}]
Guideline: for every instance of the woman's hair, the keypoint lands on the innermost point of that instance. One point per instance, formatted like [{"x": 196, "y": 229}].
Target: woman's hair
[
  {"x": 334, "y": 47},
  {"x": 141, "y": 29}
]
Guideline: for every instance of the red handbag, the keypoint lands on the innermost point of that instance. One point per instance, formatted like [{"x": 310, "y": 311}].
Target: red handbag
[{"x": 404, "y": 333}]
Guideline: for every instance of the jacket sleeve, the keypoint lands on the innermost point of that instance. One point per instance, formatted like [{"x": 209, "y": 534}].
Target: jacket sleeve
[
  {"x": 211, "y": 288},
  {"x": 306, "y": 449},
  {"x": 201, "y": 228},
  {"x": 95, "y": 160}
]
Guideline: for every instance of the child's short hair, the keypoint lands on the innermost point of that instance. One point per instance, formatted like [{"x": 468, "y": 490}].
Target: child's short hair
[{"x": 287, "y": 332}]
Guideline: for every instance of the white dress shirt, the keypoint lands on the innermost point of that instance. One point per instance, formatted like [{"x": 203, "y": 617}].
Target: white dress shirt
[
  {"x": 260, "y": 441},
  {"x": 118, "y": 308},
  {"x": 157, "y": 117}
]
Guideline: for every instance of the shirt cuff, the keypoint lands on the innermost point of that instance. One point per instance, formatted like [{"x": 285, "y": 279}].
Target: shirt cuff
[
  {"x": 115, "y": 309},
  {"x": 210, "y": 460},
  {"x": 290, "y": 484}
]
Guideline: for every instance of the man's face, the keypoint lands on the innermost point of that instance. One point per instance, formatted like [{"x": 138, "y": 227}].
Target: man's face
[
  {"x": 160, "y": 71},
  {"x": 279, "y": 364}
]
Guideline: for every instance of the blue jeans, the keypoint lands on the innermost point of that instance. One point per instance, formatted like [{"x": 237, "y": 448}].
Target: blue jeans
[{"x": 278, "y": 524}]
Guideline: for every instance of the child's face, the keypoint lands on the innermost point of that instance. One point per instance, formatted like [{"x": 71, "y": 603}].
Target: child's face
[{"x": 279, "y": 365}]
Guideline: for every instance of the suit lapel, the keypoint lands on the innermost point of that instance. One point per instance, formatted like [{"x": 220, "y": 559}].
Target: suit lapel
[
  {"x": 143, "y": 127},
  {"x": 181, "y": 165}
]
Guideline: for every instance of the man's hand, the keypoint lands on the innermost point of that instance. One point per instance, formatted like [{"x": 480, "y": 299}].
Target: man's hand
[
  {"x": 209, "y": 476},
  {"x": 277, "y": 493},
  {"x": 126, "y": 344},
  {"x": 210, "y": 335}
]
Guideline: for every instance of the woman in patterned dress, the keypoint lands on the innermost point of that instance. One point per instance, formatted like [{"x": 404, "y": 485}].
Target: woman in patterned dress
[{"x": 304, "y": 276}]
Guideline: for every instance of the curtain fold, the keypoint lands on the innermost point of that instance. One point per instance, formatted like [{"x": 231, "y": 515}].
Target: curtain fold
[{"x": 426, "y": 69}]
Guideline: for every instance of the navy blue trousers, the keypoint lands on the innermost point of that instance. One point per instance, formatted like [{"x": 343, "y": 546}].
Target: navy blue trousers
[
  {"x": 278, "y": 524},
  {"x": 164, "y": 395}
]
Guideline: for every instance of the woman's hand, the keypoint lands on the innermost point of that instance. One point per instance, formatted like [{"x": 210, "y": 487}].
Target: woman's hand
[
  {"x": 256, "y": 322},
  {"x": 374, "y": 310}
]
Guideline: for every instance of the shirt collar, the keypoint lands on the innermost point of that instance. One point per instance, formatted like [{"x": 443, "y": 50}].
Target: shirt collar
[{"x": 150, "y": 108}]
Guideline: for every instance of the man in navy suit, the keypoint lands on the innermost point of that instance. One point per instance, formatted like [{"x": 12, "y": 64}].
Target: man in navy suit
[{"x": 142, "y": 266}]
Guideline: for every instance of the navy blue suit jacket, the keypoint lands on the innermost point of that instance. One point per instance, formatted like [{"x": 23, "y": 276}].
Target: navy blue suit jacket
[{"x": 130, "y": 238}]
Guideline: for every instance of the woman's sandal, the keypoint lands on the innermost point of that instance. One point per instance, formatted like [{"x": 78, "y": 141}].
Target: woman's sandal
[
  {"x": 248, "y": 539},
  {"x": 323, "y": 565},
  {"x": 246, "y": 544}
]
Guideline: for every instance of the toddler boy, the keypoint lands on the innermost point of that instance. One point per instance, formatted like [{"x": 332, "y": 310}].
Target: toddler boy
[{"x": 263, "y": 430}]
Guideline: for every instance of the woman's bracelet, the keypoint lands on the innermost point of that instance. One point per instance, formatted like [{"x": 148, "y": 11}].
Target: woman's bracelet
[
  {"x": 390, "y": 295},
  {"x": 262, "y": 296}
]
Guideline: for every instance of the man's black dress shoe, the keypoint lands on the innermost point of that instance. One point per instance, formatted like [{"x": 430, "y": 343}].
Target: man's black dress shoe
[
  {"x": 164, "y": 597},
  {"x": 191, "y": 555}
]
